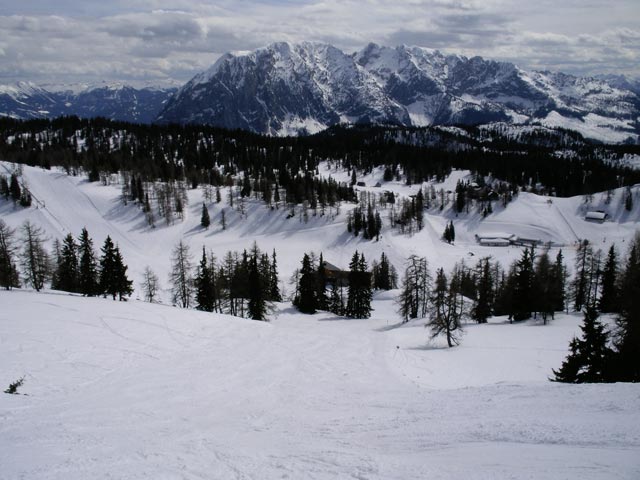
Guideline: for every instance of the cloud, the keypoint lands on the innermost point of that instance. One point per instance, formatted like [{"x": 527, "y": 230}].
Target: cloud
[{"x": 158, "y": 40}]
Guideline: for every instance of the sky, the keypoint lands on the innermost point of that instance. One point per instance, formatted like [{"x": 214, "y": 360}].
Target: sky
[{"x": 167, "y": 42}]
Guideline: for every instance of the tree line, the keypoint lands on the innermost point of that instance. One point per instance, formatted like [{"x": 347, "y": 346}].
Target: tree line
[{"x": 73, "y": 266}]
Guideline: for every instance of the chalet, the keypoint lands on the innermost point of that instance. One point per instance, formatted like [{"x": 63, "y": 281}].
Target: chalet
[
  {"x": 597, "y": 216},
  {"x": 335, "y": 275},
  {"x": 496, "y": 239},
  {"x": 494, "y": 242}
]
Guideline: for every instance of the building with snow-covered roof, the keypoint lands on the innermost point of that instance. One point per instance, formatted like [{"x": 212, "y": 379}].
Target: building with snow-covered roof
[{"x": 597, "y": 216}]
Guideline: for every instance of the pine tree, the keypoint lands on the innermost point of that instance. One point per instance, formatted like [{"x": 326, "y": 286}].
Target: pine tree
[
  {"x": 609, "y": 297},
  {"x": 205, "y": 221},
  {"x": 558, "y": 280},
  {"x": 359, "y": 293},
  {"x": 542, "y": 287},
  {"x": 383, "y": 274},
  {"x": 88, "y": 269},
  {"x": 628, "y": 321},
  {"x": 34, "y": 258},
  {"x": 204, "y": 285},
  {"x": 523, "y": 295},
  {"x": 180, "y": 278},
  {"x": 483, "y": 307},
  {"x": 274, "y": 289},
  {"x": 589, "y": 358},
  {"x": 9, "y": 277},
  {"x": 336, "y": 301},
  {"x": 416, "y": 285},
  {"x": 14, "y": 189},
  {"x": 123, "y": 286},
  {"x": 108, "y": 268},
  {"x": 306, "y": 301},
  {"x": 323, "y": 301},
  {"x": 67, "y": 273},
  {"x": 257, "y": 307}
]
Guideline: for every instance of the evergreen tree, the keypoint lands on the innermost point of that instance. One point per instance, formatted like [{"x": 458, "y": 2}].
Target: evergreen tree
[
  {"x": 205, "y": 221},
  {"x": 558, "y": 279},
  {"x": 113, "y": 272},
  {"x": 67, "y": 273},
  {"x": 359, "y": 293},
  {"x": 14, "y": 188},
  {"x": 123, "y": 286},
  {"x": 204, "y": 285},
  {"x": 483, "y": 307},
  {"x": 416, "y": 285},
  {"x": 180, "y": 278},
  {"x": 609, "y": 297},
  {"x": 543, "y": 301},
  {"x": 384, "y": 274},
  {"x": 274, "y": 289},
  {"x": 523, "y": 295},
  {"x": 34, "y": 258},
  {"x": 589, "y": 358},
  {"x": 257, "y": 303},
  {"x": 323, "y": 301},
  {"x": 9, "y": 277},
  {"x": 88, "y": 268},
  {"x": 336, "y": 301},
  {"x": 628, "y": 322},
  {"x": 306, "y": 301}
]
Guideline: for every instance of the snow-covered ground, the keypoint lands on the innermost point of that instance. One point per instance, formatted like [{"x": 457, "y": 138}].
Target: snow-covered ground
[
  {"x": 65, "y": 204},
  {"x": 134, "y": 390}
]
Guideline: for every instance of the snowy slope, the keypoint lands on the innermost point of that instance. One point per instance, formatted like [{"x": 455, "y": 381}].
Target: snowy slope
[
  {"x": 71, "y": 203},
  {"x": 133, "y": 390}
]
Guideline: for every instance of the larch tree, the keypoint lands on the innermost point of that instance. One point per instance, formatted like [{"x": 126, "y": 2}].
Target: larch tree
[
  {"x": 150, "y": 284},
  {"x": 181, "y": 277},
  {"x": 34, "y": 259},
  {"x": 413, "y": 301}
]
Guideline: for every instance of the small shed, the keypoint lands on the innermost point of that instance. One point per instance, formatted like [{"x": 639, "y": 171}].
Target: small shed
[{"x": 597, "y": 216}]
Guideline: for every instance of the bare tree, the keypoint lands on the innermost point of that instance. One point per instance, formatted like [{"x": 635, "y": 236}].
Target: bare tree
[
  {"x": 446, "y": 309},
  {"x": 181, "y": 277},
  {"x": 34, "y": 259},
  {"x": 150, "y": 284},
  {"x": 416, "y": 284}
]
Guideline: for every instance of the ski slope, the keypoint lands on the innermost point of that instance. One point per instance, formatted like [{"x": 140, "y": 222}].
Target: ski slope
[
  {"x": 66, "y": 204},
  {"x": 136, "y": 390}
]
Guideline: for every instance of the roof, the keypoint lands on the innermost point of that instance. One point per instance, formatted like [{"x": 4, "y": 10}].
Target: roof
[
  {"x": 494, "y": 241},
  {"x": 596, "y": 215},
  {"x": 331, "y": 267}
]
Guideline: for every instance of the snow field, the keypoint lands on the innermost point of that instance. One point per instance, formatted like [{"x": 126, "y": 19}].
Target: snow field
[{"x": 135, "y": 390}]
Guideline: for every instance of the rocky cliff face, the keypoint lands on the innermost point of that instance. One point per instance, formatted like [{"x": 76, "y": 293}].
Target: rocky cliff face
[{"x": 296, "y": 88}]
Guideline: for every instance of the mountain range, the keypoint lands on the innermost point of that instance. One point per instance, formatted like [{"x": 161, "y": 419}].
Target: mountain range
[
  {"x": 290, "y": 89},
  {"x": 26, "y": 100}
]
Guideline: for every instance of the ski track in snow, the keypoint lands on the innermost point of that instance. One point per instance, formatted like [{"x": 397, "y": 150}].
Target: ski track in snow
[{"x": 112, "y": 394}]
